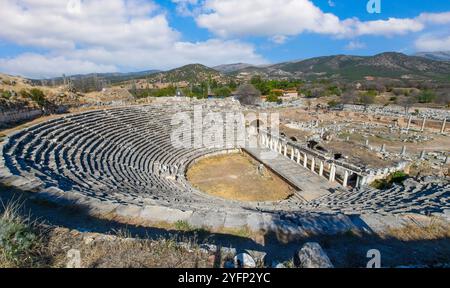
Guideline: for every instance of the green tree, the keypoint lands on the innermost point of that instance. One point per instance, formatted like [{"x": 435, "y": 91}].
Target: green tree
[
  {"x": 427, "y": 96},
  {"x": 222, "y": 92},
  {"x": 274, "y": 96}
]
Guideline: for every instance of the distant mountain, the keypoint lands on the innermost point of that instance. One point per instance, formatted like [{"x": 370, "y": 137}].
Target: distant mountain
[
  {"x": 389, "y": 65},
  {"x": 228, "y": 68},
  {"x": 345, "y": 67},
  {"x": 193, "y": 73},
  {"x": 438, "y": 56},
  {"x": 89, "y": 79}
]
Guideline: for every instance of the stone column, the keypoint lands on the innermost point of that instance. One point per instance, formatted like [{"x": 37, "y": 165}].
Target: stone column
[
  {"x": 345, "y": 179},
  {"x": 292, "y": 153},
  {"x": 422, "y": 155},
  {"x": 367, "y": 142},
  {"x": 403, "y": 151},
  {"x": 313, "y": 164},
  {"x": 285, "y": 150},
  {"x": 332, "y": 173},
  {"x": 424, "y": 122},
  {"x": 298, "y": 157},
  {"x": 443, "y": 125},
  {"x": 321, "y": 169},
  {"x": 305, "y": 160},
  {"x": 409, "y": 123}
]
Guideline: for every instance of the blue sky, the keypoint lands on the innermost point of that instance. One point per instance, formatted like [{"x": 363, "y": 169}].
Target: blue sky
[{"x": 47, "y": 38}]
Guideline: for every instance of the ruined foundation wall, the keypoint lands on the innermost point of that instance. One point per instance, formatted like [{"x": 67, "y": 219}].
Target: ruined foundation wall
[{"x": 17, "y": 115}]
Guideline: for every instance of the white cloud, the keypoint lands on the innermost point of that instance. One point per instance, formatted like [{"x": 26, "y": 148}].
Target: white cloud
[
  {"x": 185, "y": 7},
  {"x": 433, "y": 43},
  {"x": 279, "y": 39},
  {"x": 268, "y": 18},
  {"x": 38, "y": 66},
  {"x": 103, "y": 35},
  {"x": 355, "y": 45},
  {"x": 228, "y": 18},
  {"x": 434, "y": 18},
  {"x": 392, "y": 26}
]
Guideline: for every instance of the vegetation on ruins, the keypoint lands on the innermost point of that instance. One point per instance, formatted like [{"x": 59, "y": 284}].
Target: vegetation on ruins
[
  {"x": 18, "y": 239},
  {"x": 394, "y": 178},
  {"x": 5, "y": 94},
  {"x": 35, "y": 95}
]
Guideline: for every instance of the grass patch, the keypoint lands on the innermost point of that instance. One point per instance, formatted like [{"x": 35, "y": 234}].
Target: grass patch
[
  {"x": 183, "y": 226},
  {"x": 19, "y": 241},
  {"x": 394, "y": 178}
]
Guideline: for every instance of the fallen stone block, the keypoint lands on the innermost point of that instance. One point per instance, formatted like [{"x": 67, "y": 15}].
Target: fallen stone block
[{"x": 311, "y": 255}]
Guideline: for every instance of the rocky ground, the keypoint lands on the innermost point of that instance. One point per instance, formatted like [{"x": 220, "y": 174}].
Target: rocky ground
[{"x": 63, "y": 234}]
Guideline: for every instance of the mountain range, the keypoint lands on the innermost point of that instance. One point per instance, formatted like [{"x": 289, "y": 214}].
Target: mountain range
[
  {"x": 438, "y": 56},
  {"x": 422, "y": 66}
]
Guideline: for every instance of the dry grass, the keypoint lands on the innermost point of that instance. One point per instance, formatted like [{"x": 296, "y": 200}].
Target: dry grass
[
  {"x": 20, "y": 242},
  {"x": 103, "y": 251},
  {"x": 412, "y": 232},
  {"x": 236, "y": 177}
]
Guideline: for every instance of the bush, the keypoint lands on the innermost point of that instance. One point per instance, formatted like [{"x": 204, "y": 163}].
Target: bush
[
  {"x": 427, "y": 96},
  {"x": 273, "y": 97},
  {"x": 36, "y": 95},
  {"x": 333, "y": 104},
  {"x": 396, "y": 177},
  {"x": 6, "y": 94},
  {"x": 17, "y": 238}
]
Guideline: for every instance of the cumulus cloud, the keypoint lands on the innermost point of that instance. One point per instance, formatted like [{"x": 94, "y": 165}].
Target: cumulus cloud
[
  {"x": 433, "y": 43},
  {"x": 232, "y": 18},
  {"x": 186, "y": 7},
  {"x": 103, "y": 35},
  {"x": 355, "y": 45},
  {"x": 36, "y": 65},
  {"x": 228, "y": 18},
  {"x": 279, "y": 39}
]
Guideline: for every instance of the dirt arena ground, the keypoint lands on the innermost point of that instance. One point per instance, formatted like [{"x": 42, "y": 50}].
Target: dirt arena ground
[{"x": 236, "y": 177}]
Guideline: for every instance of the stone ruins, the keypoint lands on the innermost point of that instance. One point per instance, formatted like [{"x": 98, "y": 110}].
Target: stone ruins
[{"x": 121, "y": 162}]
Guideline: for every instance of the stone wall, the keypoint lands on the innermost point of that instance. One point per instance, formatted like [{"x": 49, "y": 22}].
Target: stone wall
[{"x": 17, "y": 115}]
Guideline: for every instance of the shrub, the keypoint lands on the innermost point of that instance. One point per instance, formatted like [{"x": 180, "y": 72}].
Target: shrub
[
  {"x": 273, "y": 97},
  {"x": 183, "y": 226},
  {"x": 36, "y": 95},
  {"x": 5, "y": 94},
  {"x": 396, "y": 177},
  {"x": 427, "y": 96},
  {"x": 17, "y": 238},
  {"x": 333, "y": 103}
]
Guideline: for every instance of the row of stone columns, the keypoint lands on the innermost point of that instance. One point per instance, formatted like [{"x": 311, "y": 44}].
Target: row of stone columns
[
  {"x": 424, "y": 121},
  {"x": 295, "y": 155}
]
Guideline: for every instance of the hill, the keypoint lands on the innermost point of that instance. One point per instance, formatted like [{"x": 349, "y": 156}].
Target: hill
[
  {"x": 388, "y": 65},
  {"x": 438, "y": 56},
  {"x": 229, "y": 68},
  {"x": 193, "y": 73}
]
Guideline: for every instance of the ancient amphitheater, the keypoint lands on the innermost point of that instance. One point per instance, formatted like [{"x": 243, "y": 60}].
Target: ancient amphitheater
[{"x": 121, "y": 162}]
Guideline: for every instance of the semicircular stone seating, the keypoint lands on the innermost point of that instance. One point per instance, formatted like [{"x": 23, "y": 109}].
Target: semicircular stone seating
[
  {"x": 125, "y": 156},
  {"x": 121, "y": 155}
]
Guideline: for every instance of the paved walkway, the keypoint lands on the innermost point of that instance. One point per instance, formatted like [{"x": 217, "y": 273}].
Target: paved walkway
[{"x": 311, "y": 186}]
